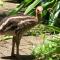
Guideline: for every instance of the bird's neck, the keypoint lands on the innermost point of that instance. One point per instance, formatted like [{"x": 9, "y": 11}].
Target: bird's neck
[{"x": 39, "y": 18}]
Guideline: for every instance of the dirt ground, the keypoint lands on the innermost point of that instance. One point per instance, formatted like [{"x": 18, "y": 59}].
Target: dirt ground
[
  {"x": 26, "y": 45},
  {"x": 7, "y": 6}
]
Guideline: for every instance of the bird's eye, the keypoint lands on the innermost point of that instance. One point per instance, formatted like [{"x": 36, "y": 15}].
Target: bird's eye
[{"x": 38, "y": 10}]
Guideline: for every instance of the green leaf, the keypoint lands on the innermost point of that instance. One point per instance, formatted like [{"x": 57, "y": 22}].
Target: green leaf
[
  {"x": 56, "y": 14},
  {"x": 32, "y": 6},
  {"x": 49, "y": 4}
]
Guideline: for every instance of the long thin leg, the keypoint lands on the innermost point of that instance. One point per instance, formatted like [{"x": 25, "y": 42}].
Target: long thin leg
[
  {"x": 18, "y": 37},
  {"x": 13, "y": 45}
]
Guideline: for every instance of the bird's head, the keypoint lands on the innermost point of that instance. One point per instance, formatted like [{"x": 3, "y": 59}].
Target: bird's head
[{"x": 39, "y": 10}]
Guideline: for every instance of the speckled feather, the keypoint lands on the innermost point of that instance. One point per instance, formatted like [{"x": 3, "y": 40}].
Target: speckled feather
[{"x": 18, "y": 23}]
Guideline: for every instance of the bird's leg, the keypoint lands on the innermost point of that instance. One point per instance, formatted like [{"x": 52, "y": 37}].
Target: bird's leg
[
  {"x": 18, "y": 38},
  {"x": 13, "y": 45}
]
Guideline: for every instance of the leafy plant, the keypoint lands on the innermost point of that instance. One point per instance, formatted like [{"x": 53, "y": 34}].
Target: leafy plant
[
  {"x": 50, "y": 49},
  {"x": 23, "y": 4}
]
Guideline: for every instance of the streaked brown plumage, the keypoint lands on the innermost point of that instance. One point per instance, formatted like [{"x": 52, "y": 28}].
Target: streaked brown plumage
[{"x": 17, "y": 25}]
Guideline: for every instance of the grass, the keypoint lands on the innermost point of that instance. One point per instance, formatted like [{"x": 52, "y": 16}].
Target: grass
[{"x": 5, "y": 37}]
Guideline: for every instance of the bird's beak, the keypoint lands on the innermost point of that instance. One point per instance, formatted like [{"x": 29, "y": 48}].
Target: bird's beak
[{"x": 40, "y": 13}]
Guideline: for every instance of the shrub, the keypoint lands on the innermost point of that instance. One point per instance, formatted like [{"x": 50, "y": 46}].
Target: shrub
[{"x": 49, "y": 50}]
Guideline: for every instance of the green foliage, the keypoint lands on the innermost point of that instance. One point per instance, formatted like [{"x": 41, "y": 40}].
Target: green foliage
[
  {"x": 50, "y": 49},
  {"x": 49, "y": 4},
  {"x": 23, "y": 4},
  {"x": 51, "y": 18},
  {"x": 54, "y": 14},
  {"x": 34, "y": 4},
  {"x": 42, "y": 29}
]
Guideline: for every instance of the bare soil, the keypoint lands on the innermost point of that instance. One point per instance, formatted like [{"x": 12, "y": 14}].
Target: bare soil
[
  {"x": 26, "y": 45},
  {"x": 7, "y": 6}
]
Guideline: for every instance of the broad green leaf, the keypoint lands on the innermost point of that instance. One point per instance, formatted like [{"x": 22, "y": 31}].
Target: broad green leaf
[
  {"x": 56, "y": 14},
  {"x": 49, "y": 4},
  {"x": 32, "y": 6},
  {"x": 27, "y": 2}
]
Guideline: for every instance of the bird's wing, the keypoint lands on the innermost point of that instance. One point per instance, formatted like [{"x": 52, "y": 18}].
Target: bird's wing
[{"x": 13, "y": 23}]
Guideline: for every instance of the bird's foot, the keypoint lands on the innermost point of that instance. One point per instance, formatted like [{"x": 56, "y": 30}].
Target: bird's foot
[
  {"x": 18, "y": 56},
  {"x": 13, "y": 55}
]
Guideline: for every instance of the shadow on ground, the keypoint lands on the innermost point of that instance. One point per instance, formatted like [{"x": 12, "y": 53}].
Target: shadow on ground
[{"x": 20, "y": 57}]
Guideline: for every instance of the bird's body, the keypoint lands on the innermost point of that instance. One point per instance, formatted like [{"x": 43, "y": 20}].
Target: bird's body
[
  {"x": 17, "y": 25},
  {"x": 12, "y": 25}
]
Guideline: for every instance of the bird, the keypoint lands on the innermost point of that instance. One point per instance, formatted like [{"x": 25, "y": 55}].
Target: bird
[{"x": 18, "y": 25}]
